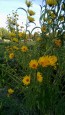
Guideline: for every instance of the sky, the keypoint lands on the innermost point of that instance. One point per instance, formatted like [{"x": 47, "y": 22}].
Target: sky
[{"x": 7, "y": 6}]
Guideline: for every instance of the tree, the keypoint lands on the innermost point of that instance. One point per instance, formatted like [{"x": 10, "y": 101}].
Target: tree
[{"x": 4, "y": 34}]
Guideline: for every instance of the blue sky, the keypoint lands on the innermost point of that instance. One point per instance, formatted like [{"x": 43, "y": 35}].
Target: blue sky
[{"x": 6, "y": 7}]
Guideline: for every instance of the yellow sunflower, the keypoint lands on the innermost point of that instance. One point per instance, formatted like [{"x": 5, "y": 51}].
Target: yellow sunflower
[
  {"x": 39, "y": 77},
  {"x": 43, "y": 61},
  {"x": 11, "y": 55},
  {"x": 52, "y": 60},
  {"x": 26, "y": 80},
  {"x": 33, "y": 64},
  {"x": 24, "y": 48},
  {"x": 10, "y": 91}
]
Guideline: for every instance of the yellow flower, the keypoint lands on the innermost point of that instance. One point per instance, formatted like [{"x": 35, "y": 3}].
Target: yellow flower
[
  {"x": 24, "y": 48},
  {"x": 28, "y": 3},
  {"x": 39, "y": 77},
  {"x": 52, "y": 14},
  {"x": 15, "y": 40},
  {"x": 36, "y": 34},
  {"x": 31, "y": 12},
  {"x": 10, "y": 91},
  {"x": 52, "y": 60},
  {"x": 31, "y": 19},
  {"x": 43, "y": 61},
  {"x": 9, "y": 49},
  {"x": 50, "y": 21},
  {"x": 46, "y": 61},
  {"x": 63, "y": 6},
  {"x": 51, "y": 2},
  {"x": 12, "y": 34},
  {"x": 38, "y": 39},
  {"x": 61, "y": 18},
  {"x": 15, "y": 48},
  {"x": 45, "y": 19},
  {"x": 43, "y": 28},
  {"x": 33, "y": 64},
  {"x": 20, "y": 34},
  {"x": 11, "y": 55},
  {"x": 57, "y": 42},
  {"x": 26, "y": 80}
]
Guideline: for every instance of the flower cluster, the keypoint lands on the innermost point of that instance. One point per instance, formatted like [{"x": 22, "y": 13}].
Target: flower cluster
[
  {"x": 12, "y": 34},
  {"x": 27, "y": 79},
  {"x": 45, "y": 61},
  {"x": 35, "y": 61}
]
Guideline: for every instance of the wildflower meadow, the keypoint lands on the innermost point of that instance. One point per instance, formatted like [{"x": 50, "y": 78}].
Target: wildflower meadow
[{"x": 32, "y": 64}]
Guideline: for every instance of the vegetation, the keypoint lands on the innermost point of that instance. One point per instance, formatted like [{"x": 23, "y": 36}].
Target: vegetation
[{"x": 32, "y": 73}]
